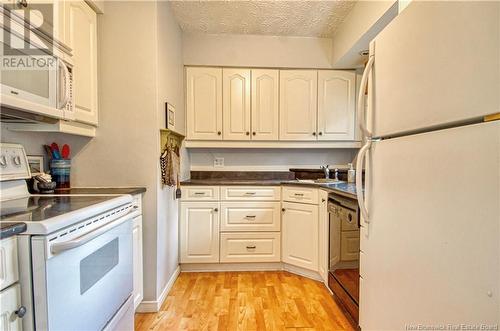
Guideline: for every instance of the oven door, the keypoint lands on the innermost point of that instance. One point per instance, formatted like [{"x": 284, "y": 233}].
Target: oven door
[{"x": 83, "y": 283}]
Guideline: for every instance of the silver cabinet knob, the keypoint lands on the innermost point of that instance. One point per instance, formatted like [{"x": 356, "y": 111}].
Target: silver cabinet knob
[{"x": 20, "y": 312}]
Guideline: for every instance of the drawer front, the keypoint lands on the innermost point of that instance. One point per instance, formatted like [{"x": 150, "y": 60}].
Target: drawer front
[
  {"x": 248, "y": 193},
  {"x": 250, "y": 216},
  {"x": 250, "y": 247},
  {"x": 349, "y": 242},
  {"x": 300, "y": 194},
  {"x": 200, "y": 193},
  {"x": 9, "y": 273},
  {"x": 349, "y": 220}
]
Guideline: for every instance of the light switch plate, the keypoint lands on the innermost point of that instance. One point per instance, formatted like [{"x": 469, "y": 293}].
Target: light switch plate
[{"x": 218, "y": 162}]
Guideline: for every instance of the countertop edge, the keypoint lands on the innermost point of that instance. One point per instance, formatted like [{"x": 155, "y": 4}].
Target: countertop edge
[{"x": 12, "y": 229}]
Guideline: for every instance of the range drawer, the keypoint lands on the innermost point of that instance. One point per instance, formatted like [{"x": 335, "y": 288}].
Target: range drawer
[
  {"x": 246, "y": 193},
  {"x": 250, "y": 247},
  {"x": 9, "y": 273},
  {"x": 200, "y": 193},
  {"x": 300, "y": 194},
  {"x": 250, "y": 216}
]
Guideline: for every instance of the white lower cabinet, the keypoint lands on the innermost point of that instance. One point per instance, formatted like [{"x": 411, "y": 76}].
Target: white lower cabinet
[
  {"x": 199, "y": 231},
  {"x": 300, "y": 235},
  {"x": 323, "y": 233},
  {"x": 10, "y": 300},
  {"x": 137, "y": 261},
  {"x": 250, "y": 247}
]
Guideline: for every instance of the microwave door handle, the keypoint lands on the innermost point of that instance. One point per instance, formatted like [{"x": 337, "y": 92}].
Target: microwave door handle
[
  {"x": 359, "y": 181},
  {"x": 361, "y": 94},
  {"x": 70, "y": 244},
  {"x": 66, "y": 84}
]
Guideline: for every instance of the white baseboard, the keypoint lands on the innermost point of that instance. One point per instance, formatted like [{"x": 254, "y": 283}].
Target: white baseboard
[{"x": 155, "y": 306}]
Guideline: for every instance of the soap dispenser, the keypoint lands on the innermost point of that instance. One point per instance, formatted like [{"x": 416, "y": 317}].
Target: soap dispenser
[{"x": 351, "y": 174}]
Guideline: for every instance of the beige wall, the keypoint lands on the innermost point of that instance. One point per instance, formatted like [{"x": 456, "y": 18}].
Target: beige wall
[
  {"x": 257, "y": 51},
  {"x": 363, "y": 23}
]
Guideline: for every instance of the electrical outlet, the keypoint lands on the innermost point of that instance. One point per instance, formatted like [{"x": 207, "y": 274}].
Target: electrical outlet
[{"x": 218, "y": 162}]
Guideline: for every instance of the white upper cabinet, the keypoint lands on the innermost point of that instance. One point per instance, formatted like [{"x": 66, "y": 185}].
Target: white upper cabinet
[
  {"x": 298, "y": 104},
  {"x": 236, "y": 104},
  {"x": 265, "y": 96},
  {"x": 204, "y": 103},
  {"x": 336, "y": 104},
  {"x": 81, "y": 36}
]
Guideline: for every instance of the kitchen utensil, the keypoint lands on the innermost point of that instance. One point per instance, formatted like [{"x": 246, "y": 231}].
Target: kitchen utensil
[
  {"x": 48, "y": 150},
  {"x": 46, "y": 187},
  {"x": 178, "y": 191},
  {"x": 55, "y": 151},
  {"x": 65, "y": 151}
]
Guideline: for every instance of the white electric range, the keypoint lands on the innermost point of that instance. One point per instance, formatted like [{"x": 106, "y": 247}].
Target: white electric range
[{"x": 75, "y": 258}]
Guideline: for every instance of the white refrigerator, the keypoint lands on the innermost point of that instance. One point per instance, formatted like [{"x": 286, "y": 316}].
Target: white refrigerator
[{"x": 430, "y": 235}]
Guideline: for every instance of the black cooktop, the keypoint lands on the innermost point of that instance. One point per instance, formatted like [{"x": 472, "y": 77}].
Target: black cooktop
[{"x": 38, "y": 208}]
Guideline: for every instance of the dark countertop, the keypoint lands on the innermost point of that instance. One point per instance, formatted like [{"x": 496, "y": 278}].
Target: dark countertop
[
  {"x": 343, "y": 188},
  {"x": 103, "y": 190},
  {"x": 11, "y": 229}
]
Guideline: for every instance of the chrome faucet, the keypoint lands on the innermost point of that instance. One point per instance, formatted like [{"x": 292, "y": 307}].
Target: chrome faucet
[
  {"x": 326, "y": 171},
  {"x": 336, "y": 175}
]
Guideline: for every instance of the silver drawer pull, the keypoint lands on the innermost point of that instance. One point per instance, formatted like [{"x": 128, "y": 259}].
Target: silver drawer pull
[
  {"x": 251, "y": 247},
  {"x": 199, "y": 193},
  {"x": 251, "y": 216},
  {"x": 299, "y": 194},
  {"x": 250, "y": 193}
]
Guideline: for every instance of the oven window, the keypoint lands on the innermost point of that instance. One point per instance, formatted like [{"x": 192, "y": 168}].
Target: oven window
[{"x": 98, "y": 264}]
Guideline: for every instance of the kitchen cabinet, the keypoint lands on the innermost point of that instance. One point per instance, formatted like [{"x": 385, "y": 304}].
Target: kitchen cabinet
[
  {"x": 137, "y": 261},
  {"x": 298, "y": 104},
  {"x": 11, "y": 301},
  {"x": 137, "y": 258},
  {"x": 204, "y": 103},
  {"x": 81, "y": 36},
  {"x": 336, "y": 104},
  {"x": 323, "y": 236},
  {"x": 199, "y": 232},
  {"x": 265, "y": 111},
  {"x": 236, "y": 104},
  {"x": 300, "y": 235}
]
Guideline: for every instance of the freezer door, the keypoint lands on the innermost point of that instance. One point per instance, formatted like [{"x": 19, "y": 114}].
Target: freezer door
[
  {"x": 430, "y": 252},
  {"x": 437, "y": 63}
]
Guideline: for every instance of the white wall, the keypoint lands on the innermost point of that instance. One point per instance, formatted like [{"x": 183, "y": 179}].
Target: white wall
[
  {"x": 257, "y": 51},
  {"x": 170, "y": 88}
]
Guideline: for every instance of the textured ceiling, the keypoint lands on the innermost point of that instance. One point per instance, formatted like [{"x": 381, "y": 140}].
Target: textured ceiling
[{"x": 277, "y": 18}]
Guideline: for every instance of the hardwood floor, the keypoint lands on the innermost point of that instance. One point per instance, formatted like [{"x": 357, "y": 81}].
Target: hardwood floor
[{"x": 245, "y": 301}]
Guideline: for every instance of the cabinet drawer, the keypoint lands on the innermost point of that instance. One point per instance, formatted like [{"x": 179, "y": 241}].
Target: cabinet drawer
[
  {"x": 9, "y": 273},
  {"x": 250, "y": 247},
  {"x": 250, "y": 216},
  {"x": 300, "y": 194},
  {"x": 200, "y": 193},
  {"x": 250, "y": 193}
]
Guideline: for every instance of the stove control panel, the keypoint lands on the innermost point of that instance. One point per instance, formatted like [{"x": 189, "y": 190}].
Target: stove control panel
[{"x": 13, "y": 162}]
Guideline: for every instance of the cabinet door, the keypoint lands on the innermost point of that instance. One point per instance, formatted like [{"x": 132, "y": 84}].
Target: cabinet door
[
  {"x": 204, "y": 103},
  {"x": 300, "y": 235},
  {"x": 137, "y": 261},
  {"x": 236, "y": 104},
  {"x": 199, "y": 230},
  {"x": 323, "y": 239},
  {"x": 298, "y": 104},
  {"x": 336, "y": 104},
  {"x": 81, "y": 36},
  {"x": 265, "y": 94},
  {"x": 11, "y": 301}
]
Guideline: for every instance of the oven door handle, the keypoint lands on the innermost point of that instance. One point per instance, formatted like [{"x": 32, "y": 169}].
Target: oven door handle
[{"x": 70, "y": 244}]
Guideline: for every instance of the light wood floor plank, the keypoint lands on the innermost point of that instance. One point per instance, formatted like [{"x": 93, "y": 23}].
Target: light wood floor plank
[{"x": 246, "y": 301}]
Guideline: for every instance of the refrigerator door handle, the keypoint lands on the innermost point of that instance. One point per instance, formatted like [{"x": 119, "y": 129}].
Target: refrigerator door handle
[
  {"x": 361, "y": 93},
  {"x": 359, "y": 180}
]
